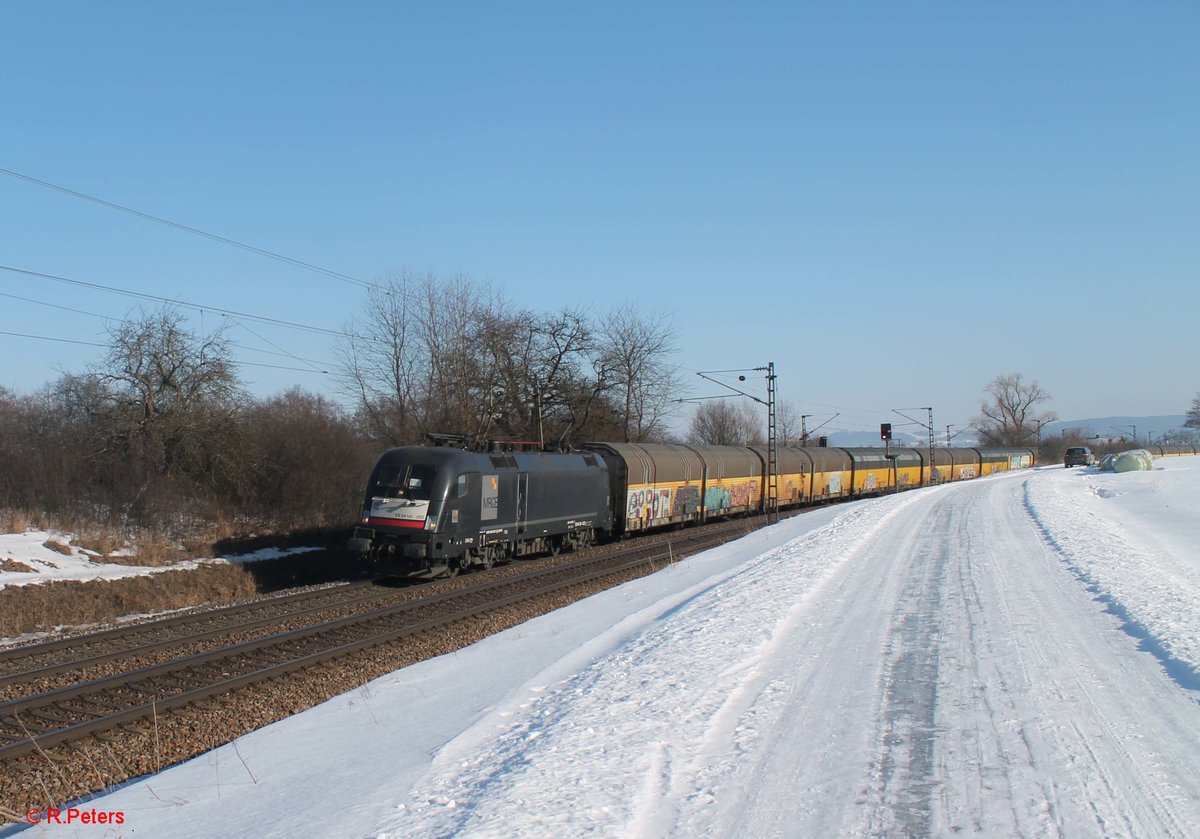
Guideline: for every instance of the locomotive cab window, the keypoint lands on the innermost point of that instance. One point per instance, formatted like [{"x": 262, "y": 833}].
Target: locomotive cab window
[
  {"x": 405, "y": 481},
  {"x": 460, "y": 488}
]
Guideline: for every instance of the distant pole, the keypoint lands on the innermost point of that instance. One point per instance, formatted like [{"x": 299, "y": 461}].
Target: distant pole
[
  {"x": 928, "y": 427},
  {"x": 772, "y": 447},
  {"x": 932, "y": 468},
  {"x": 771, "y": 502}
]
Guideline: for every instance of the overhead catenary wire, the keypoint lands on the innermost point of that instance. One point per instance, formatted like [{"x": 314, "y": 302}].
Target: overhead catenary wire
[
  {"x": 174, "y": 302},
  {"x": 299, "y": 263},
  {"x": 280, "y": 351},
  {"x": 110, "y": 346},
  {"x": 59, "y": 340}
]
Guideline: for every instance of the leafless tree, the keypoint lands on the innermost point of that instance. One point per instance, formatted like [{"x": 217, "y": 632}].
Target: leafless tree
[
  {"x": 434, "y": 355},
  {"x": 1009, "y": 415},
  {"x": 1193, "y": 414},
  {"x": 787, "y": 422},
  {"x": 725, "y": 422},
  {"x": 635, "y": 349},
  {"x": 171, "y": 390},
  {"x": 312, "y": 465},
  {"x": 382, "y": 359},
  {"x": 542, "y": 390},
  {"x": 156, "y": 367}
]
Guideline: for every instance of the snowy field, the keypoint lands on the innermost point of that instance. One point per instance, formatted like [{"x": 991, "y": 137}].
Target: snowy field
[
  {"x": 25, "y": 559},
  {"x": 1012, "y": 656}
]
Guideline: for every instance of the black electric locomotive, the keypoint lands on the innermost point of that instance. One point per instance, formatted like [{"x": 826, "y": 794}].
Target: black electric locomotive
[{"x": 432, "y": 511}]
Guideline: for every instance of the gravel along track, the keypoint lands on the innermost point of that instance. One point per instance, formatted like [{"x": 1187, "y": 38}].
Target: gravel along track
[
  {"x": 78, "y": 738},
  {"x": 32, "y": 668}
]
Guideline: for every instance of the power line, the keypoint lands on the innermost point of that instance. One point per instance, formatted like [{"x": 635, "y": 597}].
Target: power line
[
  {"x": 110, "y": 346},
  {"x": 281, "y": 350},
  {"x": 54, "y": 306},
  {"x": 59, "y": 340},
  {"x": 170, "y": 302},
  {"x": 299, "y": 263}
]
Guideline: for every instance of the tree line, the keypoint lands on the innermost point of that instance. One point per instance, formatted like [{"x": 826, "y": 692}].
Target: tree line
[{"x": 160, "y": 432}]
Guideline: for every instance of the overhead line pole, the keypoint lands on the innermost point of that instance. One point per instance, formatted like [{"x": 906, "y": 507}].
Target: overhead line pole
[
  {"x": 772, "y": 500},
  {"x": 929, "y": 427}
]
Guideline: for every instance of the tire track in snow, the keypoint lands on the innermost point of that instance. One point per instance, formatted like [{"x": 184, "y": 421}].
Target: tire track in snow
[
  {"x": 908, "y": 715},
  {"x": 670, "y": 710}
]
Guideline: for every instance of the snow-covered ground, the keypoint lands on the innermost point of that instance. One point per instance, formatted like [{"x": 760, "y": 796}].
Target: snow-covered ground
[
  {"x": 20, "y": 551},
  {"x": 1012, "y": 656}
]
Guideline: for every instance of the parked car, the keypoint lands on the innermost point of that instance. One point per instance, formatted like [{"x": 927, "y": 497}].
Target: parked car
[{"x": 1079, "y": 456}]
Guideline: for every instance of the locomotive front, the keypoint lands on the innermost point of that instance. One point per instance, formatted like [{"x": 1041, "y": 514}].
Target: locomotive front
[{"x": 402, "y": 528}]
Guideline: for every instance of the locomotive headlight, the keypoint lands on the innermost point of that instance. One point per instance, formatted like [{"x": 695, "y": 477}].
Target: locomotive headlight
[{"x": 431, "y": 523}]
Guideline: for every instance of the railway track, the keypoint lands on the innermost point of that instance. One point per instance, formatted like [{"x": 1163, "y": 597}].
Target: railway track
[
  {"x": 73, "y": 657},
  {"x": 76, "y": 710}
]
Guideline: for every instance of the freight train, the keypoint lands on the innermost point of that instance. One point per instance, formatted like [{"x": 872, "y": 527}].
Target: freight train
[{"x": 435, "y": 510}]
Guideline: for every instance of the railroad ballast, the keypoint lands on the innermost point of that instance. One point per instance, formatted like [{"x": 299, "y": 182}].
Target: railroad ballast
[{"x": 434, "y": 510}]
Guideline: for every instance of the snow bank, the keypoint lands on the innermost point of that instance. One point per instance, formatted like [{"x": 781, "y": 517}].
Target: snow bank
[
  {"x": 1132, "y": 540},
  {"x": 25, "y": 558},
  {"x": 1134, "y": 460}
]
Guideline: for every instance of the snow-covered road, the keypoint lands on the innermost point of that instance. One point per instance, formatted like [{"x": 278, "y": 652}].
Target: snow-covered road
[{"x": 1011, "y": 656}]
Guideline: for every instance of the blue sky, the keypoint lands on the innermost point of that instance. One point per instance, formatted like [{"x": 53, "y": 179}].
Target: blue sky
[{"x": 892, "y": 202}]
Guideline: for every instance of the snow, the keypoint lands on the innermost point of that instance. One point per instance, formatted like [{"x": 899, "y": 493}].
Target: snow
[
  {"x": 1014, "y": 655},
  {"x": 47, "y": 564}
]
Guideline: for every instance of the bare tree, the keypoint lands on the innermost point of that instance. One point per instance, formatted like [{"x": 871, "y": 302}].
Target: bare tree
[
  {"x": 381, "y": 361},
  {"x": 1193, "y": 414},
  {"x": 170, "y": 389},
  {"x": 156, "y": 367},
  {"x": 460, "y": 324},
  {"x": 634, "y": 357},
  {"x": 542, "y": 390},
  {"x": 313, "y": 463},
  {"x": 787, "y": 422},
  {"x": 432, "y": 355},
  {"x": 724, "y": 422},
  {"x": 1009, "y": 415}
]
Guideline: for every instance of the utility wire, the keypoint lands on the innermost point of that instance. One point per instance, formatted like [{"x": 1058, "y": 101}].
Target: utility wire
[
  {"x": 54, "y": 306},
  {"x": 170, "y": 302},
  {"x": 281, "y": 350},
  {"x": 110, "y": 346},
  {"x": 276, "y": 346},
  {"x": 59, "y": 340},
  {"x": 196, "y": 231}
]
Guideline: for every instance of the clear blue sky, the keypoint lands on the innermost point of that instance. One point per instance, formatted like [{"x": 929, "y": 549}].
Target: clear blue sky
[{"x": 894, "y": 202}]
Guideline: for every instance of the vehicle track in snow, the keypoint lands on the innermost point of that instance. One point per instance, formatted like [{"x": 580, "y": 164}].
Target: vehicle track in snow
[{"x": 921, "y": 665}]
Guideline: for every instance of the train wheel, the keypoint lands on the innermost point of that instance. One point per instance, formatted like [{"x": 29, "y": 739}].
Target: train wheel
[{"x": 556, "y": 545}]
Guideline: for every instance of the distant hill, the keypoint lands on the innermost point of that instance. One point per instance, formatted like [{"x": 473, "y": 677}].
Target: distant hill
[
  {"x": 1112, "y": 427},
  {"x": 900, "y": 439}
]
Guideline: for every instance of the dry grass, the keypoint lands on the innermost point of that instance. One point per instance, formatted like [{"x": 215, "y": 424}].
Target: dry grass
[
  {"x": 141, "y": 547},
  {"x": 18, "y": 521},
  {"x": 7, "y": 564},
  {"x": 44, "y": 606},
  {"x": 59, "y": 547}
]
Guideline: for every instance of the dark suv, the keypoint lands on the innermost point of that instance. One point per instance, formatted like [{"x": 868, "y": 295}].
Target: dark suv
[{"x": 1079, "y": 456}]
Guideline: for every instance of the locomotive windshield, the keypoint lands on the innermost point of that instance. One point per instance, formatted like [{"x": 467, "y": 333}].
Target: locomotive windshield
[{"x": 403, "y": 480}]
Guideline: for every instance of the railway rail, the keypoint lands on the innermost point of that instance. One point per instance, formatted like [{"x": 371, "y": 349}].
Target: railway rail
[
  {"x": 33, "y": 661},
  {"x": 74, "y": 711}
]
